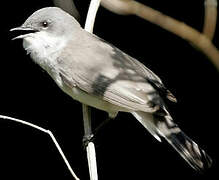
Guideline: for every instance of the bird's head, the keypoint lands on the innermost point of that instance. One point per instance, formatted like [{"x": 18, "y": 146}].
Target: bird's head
[
  {"x": 52, "y": 21},
  {"x": 47, "y": 31}
]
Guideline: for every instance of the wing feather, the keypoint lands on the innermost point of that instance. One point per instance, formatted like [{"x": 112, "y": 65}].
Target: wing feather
[{"x": 106, "y": 72}]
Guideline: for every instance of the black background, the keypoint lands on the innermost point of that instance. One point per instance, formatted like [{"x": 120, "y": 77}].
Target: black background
[{"x": 124, "y": 149}]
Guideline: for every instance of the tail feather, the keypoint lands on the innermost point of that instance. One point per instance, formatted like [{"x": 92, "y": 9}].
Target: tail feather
[
  {"x": 147, "y": 121},
  {"x": 187, "y": 148},
  {"x": 190, "y": 151}
]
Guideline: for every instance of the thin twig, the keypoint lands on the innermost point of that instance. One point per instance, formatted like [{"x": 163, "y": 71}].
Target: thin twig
[
  {"x": 51, "y": 136},
  {"x": 179, "y": 28},
  {"x": 122, "y": 7},
  {"x": 170, "y": 24},
  {"x": 210, "y": 20},
  {"x": 91, "y": 153},
  {"x": 91, "y": 15}
]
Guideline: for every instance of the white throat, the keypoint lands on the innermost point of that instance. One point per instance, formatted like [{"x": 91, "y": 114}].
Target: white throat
[{"x": 44, "y": 48}]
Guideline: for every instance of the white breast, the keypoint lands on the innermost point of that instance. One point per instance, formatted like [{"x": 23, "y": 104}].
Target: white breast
[{"x": 43, "y": 48}]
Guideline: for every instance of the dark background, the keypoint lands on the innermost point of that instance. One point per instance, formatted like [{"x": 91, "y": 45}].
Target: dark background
[{"x": 124, "y": 149}]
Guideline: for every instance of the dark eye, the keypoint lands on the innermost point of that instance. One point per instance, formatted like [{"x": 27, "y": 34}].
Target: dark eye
[{"x": 45, "y": 24}]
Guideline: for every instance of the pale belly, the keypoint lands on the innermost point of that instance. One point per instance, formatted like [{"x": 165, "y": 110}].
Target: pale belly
[{"x": 92, "y": 101}]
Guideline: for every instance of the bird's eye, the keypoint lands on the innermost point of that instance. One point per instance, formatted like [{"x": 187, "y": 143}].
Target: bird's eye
[{"x": 45, "y": 24}]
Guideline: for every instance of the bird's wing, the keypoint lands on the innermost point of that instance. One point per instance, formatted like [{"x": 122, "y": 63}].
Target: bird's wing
[
  {"x": 155, "y": 81},
  {"x": 104, "y": 71},
  {"x": 128, "y": 94},
  {"x": 144, "y": 71}
]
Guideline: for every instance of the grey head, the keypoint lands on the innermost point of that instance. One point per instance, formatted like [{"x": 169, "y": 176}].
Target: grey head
[
  {"x": 46, "y": 32},
  {"x": 51, "y": 20}
]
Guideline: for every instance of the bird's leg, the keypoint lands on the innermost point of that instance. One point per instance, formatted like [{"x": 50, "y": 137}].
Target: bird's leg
[
  {"x": 110, "y": 117},
  {"x": 91, "y": 137},
  {"x": 102, "y": 125},
  {"x": 87, "y": 125},
  {"x": 86, "y": 139}
]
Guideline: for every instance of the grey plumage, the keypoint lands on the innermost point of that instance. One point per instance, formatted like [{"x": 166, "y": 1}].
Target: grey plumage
[{"x": 98, "y": 74}]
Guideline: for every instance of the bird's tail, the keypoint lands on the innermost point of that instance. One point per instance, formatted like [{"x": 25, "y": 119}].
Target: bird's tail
[{"x": 187, "y": 148}]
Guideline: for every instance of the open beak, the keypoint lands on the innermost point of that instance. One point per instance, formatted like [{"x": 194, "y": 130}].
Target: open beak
[{"x": 27, "y": 30}]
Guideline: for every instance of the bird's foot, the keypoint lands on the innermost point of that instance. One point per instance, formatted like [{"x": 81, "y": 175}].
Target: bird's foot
[{"x": 86, "y": 139}]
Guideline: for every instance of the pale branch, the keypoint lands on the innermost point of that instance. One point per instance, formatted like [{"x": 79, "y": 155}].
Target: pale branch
[
  {"x": 168, "y": 23},
  {"x": 91, "y": 15},
  {"x": 90, "y": 148},
  {"x": 122, "y": 7},
  {"x": 210, "y": 19},
  {"x": 51, "y": 136},
  {"x": 181, "y": 29}
]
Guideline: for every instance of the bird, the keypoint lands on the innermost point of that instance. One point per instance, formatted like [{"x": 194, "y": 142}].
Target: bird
[{"x": 98, "y": 74}]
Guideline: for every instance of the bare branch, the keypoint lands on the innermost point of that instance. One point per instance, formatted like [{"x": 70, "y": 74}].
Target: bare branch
[
  {"x": 210, "y": 18},
  {"x": 91, "y": 15},
  {"x": 122, "y": 7},
  {"x": 51, "y": 136},
  {"x": 179, "y": 28},
  {"x": 91, "y": 154},
  {"x": 170, "y": 24}
]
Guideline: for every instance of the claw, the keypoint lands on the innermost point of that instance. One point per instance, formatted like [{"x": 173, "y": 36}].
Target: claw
[{"x": 86, "y": 139}]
